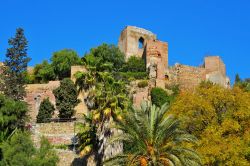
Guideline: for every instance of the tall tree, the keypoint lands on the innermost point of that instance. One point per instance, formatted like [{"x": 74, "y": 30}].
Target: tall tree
[
  {"x": 66, "y": 98},
  {"x": 106, "y": 100},
  {"x": 62, "y": 62},
  {"x": 15, "y": 65},
  {"x": 105, "y": 57}
]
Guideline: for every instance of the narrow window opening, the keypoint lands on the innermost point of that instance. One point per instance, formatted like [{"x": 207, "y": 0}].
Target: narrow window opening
[{"x": 141, "y": 43}]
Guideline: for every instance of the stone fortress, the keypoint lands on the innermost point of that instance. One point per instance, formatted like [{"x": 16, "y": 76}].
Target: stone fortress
[{"x": 142, "y": 43}]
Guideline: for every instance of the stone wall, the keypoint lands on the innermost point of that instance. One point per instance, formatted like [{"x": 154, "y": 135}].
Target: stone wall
[
  {"x": 157, "y": 53},
  {"x": 187, "y": 77},
  {"x": 35, "y": 95},
  {"x": 57, "y": 133},
  {"x": 37, "y": 92},
  {"x": 214, "y": 64}
]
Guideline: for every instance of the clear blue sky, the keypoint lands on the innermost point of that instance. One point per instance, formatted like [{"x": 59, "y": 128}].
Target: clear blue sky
[{"x": 193, "y": 28}]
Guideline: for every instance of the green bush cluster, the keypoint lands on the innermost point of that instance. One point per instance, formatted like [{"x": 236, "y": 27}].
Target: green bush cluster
[
  {"x": 159, "y": 96},
  {"x": 46, "y": 111},
  {"x": 134, "y": 64},
  {"x": 142, "y": 84},
  {"x": 12, "y": 114},
  {"x": 59, "y": 67},
  {"x": 61, "y": 146},
  {"x": 105, "y": 58},
  {"x": 66, "y": 98},
  {"x": 20, "y": 150}
]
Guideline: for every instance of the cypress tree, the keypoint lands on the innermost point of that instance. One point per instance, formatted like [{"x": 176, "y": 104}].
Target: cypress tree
[
  {"x": 15, "y": 66},
  {"x": 46, "y": 111},
  {"x": 66, "y": 98}
]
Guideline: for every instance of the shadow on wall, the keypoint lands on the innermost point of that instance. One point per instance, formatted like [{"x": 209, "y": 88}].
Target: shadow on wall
[{"x": 80, "y": 162}]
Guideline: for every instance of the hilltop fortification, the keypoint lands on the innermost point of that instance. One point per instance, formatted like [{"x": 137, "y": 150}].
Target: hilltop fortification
[{"x": 134, "y": 41}]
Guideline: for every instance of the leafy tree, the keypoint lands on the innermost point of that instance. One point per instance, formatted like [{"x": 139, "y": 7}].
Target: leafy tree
[
  {"x": 15, "y": 64},
  {"x": 46, "y": 111},
  {"x": 220, "y": 118},
  {"x": 44, "y": 72},
  {"x": 159, "y": 96},
  {"x": 62, "y": 62},
  {"x": 19, "y": 151},
  {"x": 66, "y": 98},
  {"x": 135, "y": 64},
  {"x": 155, "y": 139},
  {"x": 105, "y": 57},
  {"x": 13, "y": 114}
]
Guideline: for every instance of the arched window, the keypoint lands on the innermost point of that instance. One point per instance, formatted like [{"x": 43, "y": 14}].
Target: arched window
[{"x": 141, "y": 43}]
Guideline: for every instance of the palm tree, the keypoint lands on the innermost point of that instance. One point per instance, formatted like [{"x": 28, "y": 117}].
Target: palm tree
[
  {"x": 106, "y": 100},
  {"x": 154, "y": 139}
]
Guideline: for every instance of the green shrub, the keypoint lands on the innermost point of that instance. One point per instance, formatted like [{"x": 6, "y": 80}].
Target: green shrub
[
  {"x": 105, "y": 57},
  {"x": 13, "y": 114},
  {"x": 66, "y": 98},
  {"x": 134, "y": 64},
  {"x": 159, "y": 96},
  {"x": 142, "y": 84},
  {"x": 43, "y": 72},
  {"x": 174, "y": 88},
  {"x": 62, "y": 61},
  {"x": 20, "y": 150},
  {"x": 61, "y": 146},
  {"x": 46, "y": 111}
]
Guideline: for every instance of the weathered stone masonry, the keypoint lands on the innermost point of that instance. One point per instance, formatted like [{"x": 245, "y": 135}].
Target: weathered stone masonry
[{"x": 143, "y": 43}]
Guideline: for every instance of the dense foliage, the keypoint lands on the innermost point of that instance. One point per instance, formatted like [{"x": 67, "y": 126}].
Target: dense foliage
[
  {"x": 12, "y": 114},
  {"x": 62, "y": 61},
  {"x": 43, "y": 73},
  {"x": 130, "y": 76},
  {"x": 134, "y": 64},
  {"x": 105, "y": 58},
  {"x": 15, "y": 65},
  {"x": 19, "y": 151},
  {"x": 66, "y": 98},
  {"x": 155, "y": 139},
  {"x": 159, "y": 96},
  {"x": 220, "y": 119},
  {"x": 142, "y": 84},
  {"x": 46, "y": 110}
]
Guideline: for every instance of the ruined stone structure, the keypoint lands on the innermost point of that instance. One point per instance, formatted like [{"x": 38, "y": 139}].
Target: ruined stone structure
[
  {"x": 37, "y": 92},
  {"x": 143, "y": 43}
]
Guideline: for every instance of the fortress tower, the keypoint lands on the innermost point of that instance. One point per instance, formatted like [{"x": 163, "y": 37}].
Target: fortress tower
[{"x": 142, "y": 43}]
